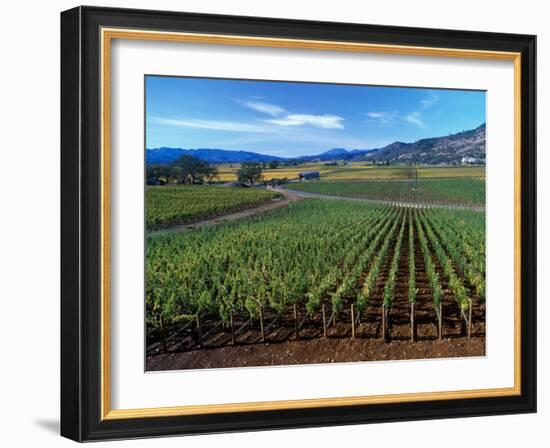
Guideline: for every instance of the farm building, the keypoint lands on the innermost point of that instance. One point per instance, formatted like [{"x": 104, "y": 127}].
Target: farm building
[
  {"x": 309, "y": 175},
  {"x": 470, "y": 160}
]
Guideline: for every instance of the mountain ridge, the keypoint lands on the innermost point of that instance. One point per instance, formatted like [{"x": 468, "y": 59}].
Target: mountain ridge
[
  {"x": 212, "y": 155},
  {"x": 448, "y": 149},
  {"x": 435, "y": 150}
]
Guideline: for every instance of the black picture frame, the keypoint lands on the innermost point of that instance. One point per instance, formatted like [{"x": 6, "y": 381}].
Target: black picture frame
[{"x": 81, "y": 224}]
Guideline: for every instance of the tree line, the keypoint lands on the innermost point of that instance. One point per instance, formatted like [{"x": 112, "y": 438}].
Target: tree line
[{"x": 189, "y": 170}]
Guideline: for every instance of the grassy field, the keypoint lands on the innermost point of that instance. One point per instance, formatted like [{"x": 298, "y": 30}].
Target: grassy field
[
  {"x": 453, "y": 191},
  {"x": 227, "y": 172},
  {"x": 358, "y": 171},
  {"x": 181, "y": 204}
]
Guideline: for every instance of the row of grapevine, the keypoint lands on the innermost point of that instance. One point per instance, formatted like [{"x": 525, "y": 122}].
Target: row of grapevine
[
  {"x": 455, "y": 248},
  {"x": 455, "y": 283},
  {"x": 392, "y": 275},
  {"x": 471, "y": 235},
  {"x": 351, "y": 280},
  {"x": 354, "y": 250},
  {"x": 369, "y": 284},
  {"x": 470, "y": 228},
  {"x": 412, "y": 291},
  {"x": 433, "y": 276},
  {"x": 463, "y": 192}
]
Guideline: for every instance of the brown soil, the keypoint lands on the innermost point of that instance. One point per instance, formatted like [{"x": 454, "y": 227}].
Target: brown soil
[{"x": 318, "y": 350}]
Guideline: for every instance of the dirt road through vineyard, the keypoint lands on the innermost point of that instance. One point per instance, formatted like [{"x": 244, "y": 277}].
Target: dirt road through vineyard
[
  {"x": 304, "y": 194},
  {"x": 288, "y": 197}
]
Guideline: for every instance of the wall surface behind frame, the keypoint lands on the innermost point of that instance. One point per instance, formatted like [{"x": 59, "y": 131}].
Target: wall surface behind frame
[{"x": 29, "y": 235}]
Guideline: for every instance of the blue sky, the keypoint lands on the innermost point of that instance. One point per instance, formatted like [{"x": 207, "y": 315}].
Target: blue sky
[{"x": 290, "y": 119}]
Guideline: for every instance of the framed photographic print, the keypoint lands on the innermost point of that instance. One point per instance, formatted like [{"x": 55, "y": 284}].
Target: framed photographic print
[{"x": 275, "y": 224}]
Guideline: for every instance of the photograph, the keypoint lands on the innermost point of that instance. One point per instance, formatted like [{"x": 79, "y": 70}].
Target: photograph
[
  {"x": 274, "y": 223},
  {"x": 293, "y": 223}
]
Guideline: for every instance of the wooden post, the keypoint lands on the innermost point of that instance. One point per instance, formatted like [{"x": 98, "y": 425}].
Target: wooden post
[
  {"x": 324, "y": 321},
  {"x": 470, "y": 319},
  {"x": 353, "y": 320},
  {"x": 296, "y": 320},
  {"x": 232, "y": 323},
  {"x": 440, "y": 324},
  {"x": 163, "y": 335},
  {"x": 262, "y": 323},
  {"x": 412, "y": 322},
  {"x": 384, "y": 322},
  {"x": 199, "y": 330}
]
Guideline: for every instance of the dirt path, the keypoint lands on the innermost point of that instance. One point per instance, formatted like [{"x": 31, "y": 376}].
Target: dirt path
[
  {"x": 304, "y": 194},
  {"x": 288, "y": 197}
]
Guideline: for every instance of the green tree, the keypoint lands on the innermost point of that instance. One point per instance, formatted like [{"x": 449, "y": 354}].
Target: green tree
[
  {"x": 159, "y": 172},
  {"x": 211, "y": 173},
  {"x": 249, "y": 173},
  {"x": 191, "y": 170}
]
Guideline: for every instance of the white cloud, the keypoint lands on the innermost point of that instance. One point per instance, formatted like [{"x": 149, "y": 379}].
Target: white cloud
[
  {"x": 429, "y": 102},
  {"x": 319, "y": 121},
  {"x": 281, "y": 117},
  {"x": 415, "y": 118},
  {"x": 382, "y": 118},
  {"x": 376, "y": 114},
  {"x": 232, "y": 126},
  {"x": 266, "y": 108}
]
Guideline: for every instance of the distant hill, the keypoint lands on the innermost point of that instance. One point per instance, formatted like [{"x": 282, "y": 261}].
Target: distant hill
[
  {"x": 169, "y": 155},
  {"x": 436, "y": 150},
  {"x": 432, "y": 151},
  {"x": 335, "y": 154}
]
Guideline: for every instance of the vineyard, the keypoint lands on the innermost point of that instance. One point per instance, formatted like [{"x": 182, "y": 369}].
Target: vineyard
[
  {"x": 316, "y": 269},
  {"x": 182, "y": 204},
  {"x": 458, "y": 191}
]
